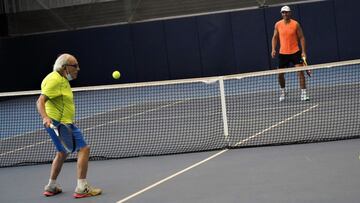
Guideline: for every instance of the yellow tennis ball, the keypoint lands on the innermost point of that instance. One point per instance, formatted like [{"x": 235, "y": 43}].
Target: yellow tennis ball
[{"x": 116, "y": 74}]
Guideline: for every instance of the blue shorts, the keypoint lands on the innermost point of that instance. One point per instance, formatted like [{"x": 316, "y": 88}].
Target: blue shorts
[{"x": 79, "y": 138}]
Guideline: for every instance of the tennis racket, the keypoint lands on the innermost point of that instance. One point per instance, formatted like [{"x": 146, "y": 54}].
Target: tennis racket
[
  {"x": 308, "y": 72},
  {"x": 65, "y": 135}
]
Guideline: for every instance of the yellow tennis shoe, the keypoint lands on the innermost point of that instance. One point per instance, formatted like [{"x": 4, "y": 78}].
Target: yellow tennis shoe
[{"x": 87, "y": 191}]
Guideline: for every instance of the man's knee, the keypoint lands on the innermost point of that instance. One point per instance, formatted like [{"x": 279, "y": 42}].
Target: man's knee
[
  {"x": 61, "y": 155},
  {"x": 85, "y": 149}
]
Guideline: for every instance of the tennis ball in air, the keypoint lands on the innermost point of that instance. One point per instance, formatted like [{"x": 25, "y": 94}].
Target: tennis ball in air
[{"x": 116, "y": 74}]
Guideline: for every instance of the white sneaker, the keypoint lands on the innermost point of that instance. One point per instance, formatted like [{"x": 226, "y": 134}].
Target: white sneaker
[
  {"x": 87, "y": 191},
  {"x": 52, "y": 190},
  {"x": 304, "y": 97},
  {"x": 282, "y": 96}
]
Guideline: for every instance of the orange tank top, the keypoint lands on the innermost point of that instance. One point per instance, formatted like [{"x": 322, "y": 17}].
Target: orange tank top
[{"x": 288, "y": 36}]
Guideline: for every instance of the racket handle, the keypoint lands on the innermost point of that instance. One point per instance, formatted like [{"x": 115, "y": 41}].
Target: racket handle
[
  {"x": 52, "y": 126},
  {"x": 304, "y": 61}
]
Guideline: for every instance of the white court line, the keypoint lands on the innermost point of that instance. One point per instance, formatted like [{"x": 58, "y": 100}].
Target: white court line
[
  {"x": 137, "y": 114},
  {"x": 28, "y": 146},
  {"x": 211, "y": 157},
  {"x": 97, "y": 114},
  {"x": 15, "y": 136},
  {"x": 114, "y": 121},
  {"x": 179, "y": 117},
  {"x": 172, "y": 176},
  {"x": 275, "y": 125},
  {"x": 173, "y": 117}
]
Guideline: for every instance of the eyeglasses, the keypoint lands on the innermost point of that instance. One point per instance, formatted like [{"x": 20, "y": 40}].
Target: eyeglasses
[{"x": 73, "y": 65}]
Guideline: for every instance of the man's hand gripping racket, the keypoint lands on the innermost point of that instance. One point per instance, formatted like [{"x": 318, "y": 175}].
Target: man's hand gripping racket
[
  {"x": 308, "y": 72},
  {"x": 65, "y": 135}
]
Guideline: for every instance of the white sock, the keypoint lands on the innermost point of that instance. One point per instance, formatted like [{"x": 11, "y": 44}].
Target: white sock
[
  {"x": 303, "y": 91},
  {"x": 81, "y": 183},
  {"x": 52, "y": 183},
  {"x": 283, "y": 90}
]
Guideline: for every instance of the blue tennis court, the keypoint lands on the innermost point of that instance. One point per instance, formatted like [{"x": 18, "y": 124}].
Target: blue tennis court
[
  {"x": 208, "y": 117},
  {"x": 320, "y": 172}
]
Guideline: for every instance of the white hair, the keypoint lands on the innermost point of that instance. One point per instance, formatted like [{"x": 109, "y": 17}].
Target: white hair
[{"x": 61, "y": 61}]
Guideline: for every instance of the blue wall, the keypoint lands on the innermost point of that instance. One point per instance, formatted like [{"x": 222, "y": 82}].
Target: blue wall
[
  {"x": 250, "y": 40},
  {"x": 321, "y": 40},
  {"x": 347, "y": 26},
  {"x": 198, "y": 46},
  {"x": 183, "y": 49}
]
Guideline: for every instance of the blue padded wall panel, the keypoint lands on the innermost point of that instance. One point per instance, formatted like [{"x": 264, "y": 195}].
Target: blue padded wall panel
[
  {"x": 25, "y": 55},
  {"x": 5, "y": 69},
  {"x": 216, "y": 44},
  {"x": 107, "y": 49},
  {"x": 319, "y": 31},
  {"x": 250, "y": 40},
  {"x": 150, "y": 51},
  {"x": 183, "y": 48},
  {"x": 99, "y": 52},
  {"x": 347, "y": 20}
]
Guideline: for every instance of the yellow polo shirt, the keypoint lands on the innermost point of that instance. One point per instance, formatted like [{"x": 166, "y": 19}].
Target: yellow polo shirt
[{"x": 60, "y": 104}]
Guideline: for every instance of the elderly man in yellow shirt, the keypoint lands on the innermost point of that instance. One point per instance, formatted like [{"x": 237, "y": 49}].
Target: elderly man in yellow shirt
[
  {"x": 289, "y": 32},
  {"x": 56, "y": 105}
]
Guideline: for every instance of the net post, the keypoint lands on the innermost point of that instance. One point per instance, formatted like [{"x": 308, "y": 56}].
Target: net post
[{"x": 223, "y": 108}]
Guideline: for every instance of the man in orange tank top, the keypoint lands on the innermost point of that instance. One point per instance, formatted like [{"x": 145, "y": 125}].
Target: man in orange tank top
[{"x": 289, "y": 32}]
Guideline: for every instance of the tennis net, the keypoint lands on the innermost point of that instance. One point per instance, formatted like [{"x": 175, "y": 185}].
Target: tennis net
[{"x": 180, "y": 116}]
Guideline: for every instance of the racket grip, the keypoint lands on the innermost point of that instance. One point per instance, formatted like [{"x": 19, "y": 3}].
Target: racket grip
[
  {"x": 52, "y": 126},
  {"x": 304, "y": 61}
]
